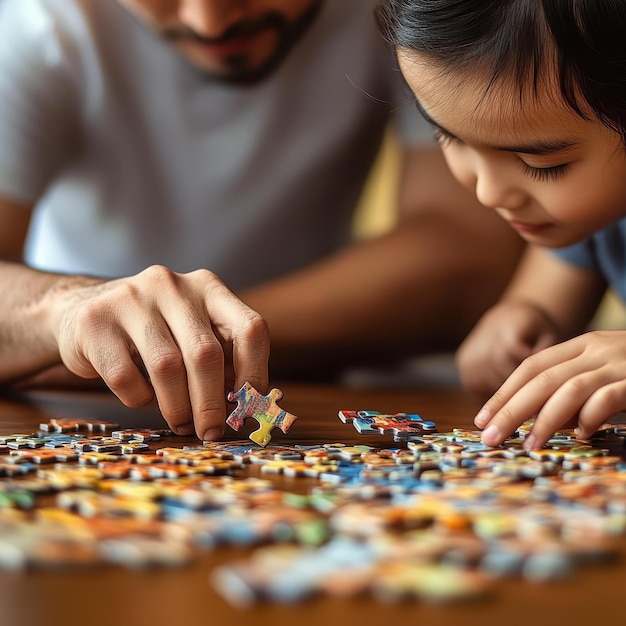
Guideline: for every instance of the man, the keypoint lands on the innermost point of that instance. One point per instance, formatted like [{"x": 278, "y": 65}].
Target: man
[{"x": 143, "y": 140}]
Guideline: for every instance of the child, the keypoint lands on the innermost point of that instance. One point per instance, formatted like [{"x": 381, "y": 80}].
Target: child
[{"x": 528, "y": 101}]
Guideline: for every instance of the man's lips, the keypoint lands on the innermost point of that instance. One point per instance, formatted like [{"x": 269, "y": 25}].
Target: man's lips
[{"x": 224, "y": 48}]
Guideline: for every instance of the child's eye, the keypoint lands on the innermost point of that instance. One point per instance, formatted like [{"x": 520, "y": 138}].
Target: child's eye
[
  {"x": 443, "y": 138},
  {"x": 545, "y": 173}
]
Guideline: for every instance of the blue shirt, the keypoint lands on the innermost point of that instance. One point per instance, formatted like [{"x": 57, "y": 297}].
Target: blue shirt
[{"x": 605, "y": 253}]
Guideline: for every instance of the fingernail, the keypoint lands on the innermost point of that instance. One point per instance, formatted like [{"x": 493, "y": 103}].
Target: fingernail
[
  {"x": 491, "y": 435},
  {"x": 213, "y": 434},
  {"x": 530, "y": 442},
  {"x": 482, "y": 417}
]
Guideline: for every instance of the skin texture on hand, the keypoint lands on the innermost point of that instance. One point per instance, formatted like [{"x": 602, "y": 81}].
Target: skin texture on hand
[
  {"x": 165, "y": 335},
  {"x": 578, "y": 383},
  {"x": 507, "y": 334}
]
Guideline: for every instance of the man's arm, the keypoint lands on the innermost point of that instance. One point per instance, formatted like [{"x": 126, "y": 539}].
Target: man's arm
[
  {"x": 24, "y": 345},
  {"x": 415, "y": 290},
  {"x": 182, "y": 338}
]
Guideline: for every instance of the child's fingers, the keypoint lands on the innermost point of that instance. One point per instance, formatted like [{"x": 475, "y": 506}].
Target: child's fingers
[
  {"x": 558, "y": 396},
  {"x": 523, "y": 395},
  {"x": 537, "y": 367},
  {"x": 603, "y": 403},
  {"x": 564, "y": 405}
]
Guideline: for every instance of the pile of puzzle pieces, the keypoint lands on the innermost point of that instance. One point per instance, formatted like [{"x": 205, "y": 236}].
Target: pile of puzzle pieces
[{"x": 438, "y": 517}]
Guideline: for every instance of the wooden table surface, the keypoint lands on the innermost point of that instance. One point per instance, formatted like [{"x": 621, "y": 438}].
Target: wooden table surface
[{"x": 117, "y": 596}]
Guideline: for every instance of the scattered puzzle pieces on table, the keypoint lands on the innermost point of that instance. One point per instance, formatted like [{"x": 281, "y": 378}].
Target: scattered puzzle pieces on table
[
  {"x": 403, "y": 426},
  {"x": 263, "y": 408},
  {"x": 437, "y": 518}
]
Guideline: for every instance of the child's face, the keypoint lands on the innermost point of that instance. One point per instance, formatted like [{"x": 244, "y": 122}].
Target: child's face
[{"x": 555, "y": 177}]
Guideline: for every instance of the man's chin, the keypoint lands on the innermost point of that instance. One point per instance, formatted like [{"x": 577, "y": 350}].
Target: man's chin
[
  {"x": 238, "y": 74},
  {"x": 240, "y": 70}
]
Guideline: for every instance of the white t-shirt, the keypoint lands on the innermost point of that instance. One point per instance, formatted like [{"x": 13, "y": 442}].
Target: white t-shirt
[{"x": 133, "y": 157}]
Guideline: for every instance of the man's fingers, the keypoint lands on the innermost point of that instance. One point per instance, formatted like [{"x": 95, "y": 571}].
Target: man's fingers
[
  {"x": 204, "y": 361},
  {"x": 248, "y": 334},
  {"x": 165, "y": 367},
  {"x": 210, "y": 335},
  {"x": 112, "y": 358},
  {"x": 170, "y": 335}
]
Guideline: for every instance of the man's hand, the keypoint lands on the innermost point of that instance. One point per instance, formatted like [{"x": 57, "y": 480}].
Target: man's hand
[
  {"x": 580, "y": 382},
  {"x": 163, "y": 334}
]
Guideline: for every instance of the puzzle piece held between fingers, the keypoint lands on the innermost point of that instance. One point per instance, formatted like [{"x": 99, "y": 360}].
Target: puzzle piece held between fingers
[{"x": 264, "y": 409}]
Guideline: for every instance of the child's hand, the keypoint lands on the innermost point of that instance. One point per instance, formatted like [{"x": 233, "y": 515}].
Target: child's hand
[
  {"x": 580, "y": 382},
  {"x": 506, "y": 334}
]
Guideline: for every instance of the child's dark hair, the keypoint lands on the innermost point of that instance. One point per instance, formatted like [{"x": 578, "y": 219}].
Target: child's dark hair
[{"x": 586, "y": 39}]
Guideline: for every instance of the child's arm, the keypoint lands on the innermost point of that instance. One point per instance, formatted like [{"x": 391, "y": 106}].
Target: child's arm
[
  {"x": 578, "y": 381},
  {"x": 547, "y": 301}
]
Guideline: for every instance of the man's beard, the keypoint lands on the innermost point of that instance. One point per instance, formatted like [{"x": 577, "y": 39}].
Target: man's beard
[{"x": 236, "y": 70}]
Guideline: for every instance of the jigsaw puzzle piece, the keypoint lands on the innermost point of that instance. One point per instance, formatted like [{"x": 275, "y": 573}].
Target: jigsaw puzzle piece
[
  {"x": 403, "y": 426},
  {"x": 348, "y": 417},
  {"x": 365, "y": 426},
  {"x": 263, "y": 408}
]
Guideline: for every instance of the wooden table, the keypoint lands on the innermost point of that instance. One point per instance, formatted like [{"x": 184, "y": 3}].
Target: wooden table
[{"x": 114, "y": 595}]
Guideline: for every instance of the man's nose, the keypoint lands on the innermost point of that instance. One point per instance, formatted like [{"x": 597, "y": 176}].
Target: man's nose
[{"x": 211, "y": 18}]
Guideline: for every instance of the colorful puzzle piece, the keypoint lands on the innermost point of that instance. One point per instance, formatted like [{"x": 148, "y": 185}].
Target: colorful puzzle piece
[
  {"x": 251, "y": 403},
  {"x": 403, "y": 426}
]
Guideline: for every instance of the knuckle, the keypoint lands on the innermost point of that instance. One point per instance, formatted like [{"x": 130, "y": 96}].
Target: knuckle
[
  {"x": 609, "y": 398},
  {"x": 137, "y": 398},
  {"x": 205, "y": 352},
  {"x": 89, "y": 316},
  {"x": 575, "y": 386},
  {"x": 253, "y": 326},
  {"x": 127, "y": 292},
  {"x": 498, "y": 399},
  {"x": 533, "y": 363},
  {"x": 506, "y": 415},
  {"x": 176, "y": 417},
  {"x": 159, "y": 275},
  {"x": 118, "y": 375},
  {"x": 164, "y": 363},
  {"x": 210, "y": 407},
  {"x": 204, "y": 275},
  {"x": 544, "y": 378}
]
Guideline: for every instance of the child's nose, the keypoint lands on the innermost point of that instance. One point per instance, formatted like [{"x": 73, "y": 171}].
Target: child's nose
[{"x": 494, "y": 191}]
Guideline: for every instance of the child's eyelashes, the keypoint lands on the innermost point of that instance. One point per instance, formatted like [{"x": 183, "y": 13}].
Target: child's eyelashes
[
  {"x": 542, "y": 174},
  {"x": 545, "y": 173},
  {"x": 443, "y": 138}
]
